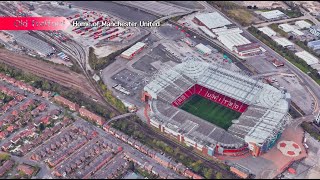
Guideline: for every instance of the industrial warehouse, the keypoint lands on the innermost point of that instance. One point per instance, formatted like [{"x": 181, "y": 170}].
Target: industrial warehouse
[
  {"x": 133, "y": 50},
  {"x": 262, "y": 108}
]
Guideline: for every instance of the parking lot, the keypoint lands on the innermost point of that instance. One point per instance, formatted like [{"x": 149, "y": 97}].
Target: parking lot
[
  {"x": 131, "y": 81},
  {"x": 299, "y": 94},
  {"x": 170, "y": 32},
  {"x": 160, "y": 8},
  {"x": 51, "y": 10}
]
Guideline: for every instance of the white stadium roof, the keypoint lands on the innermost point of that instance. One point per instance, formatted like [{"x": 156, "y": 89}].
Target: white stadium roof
[
  {"x": 274, "y": 14},
  {"x": 307, "y": 57},
  {"x": 213, "y": 20},
  {"x": 266, "y": 113},
  {"x": 133, "y": 49},
  {"x": 268, "y": 31},
  {"x": 302, "y": 24},
  {"x": 283, "y": 42}
]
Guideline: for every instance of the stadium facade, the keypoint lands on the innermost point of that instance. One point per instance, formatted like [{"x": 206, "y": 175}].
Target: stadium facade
[{"x": 264, "y": 108}]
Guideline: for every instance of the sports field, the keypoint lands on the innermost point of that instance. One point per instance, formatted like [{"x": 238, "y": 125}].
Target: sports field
[{"x": 210, "y": 111}]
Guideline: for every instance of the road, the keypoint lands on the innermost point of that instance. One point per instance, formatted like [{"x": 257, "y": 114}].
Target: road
[
  {"x": 80, "y": 55},
  {"x": 44, "y": 172},
  {"x": 148, "y": 131},
  {"x": 305, "y": 80},
  {"x": 120, "y": 117},
  {"x": 281, "y": 21}
]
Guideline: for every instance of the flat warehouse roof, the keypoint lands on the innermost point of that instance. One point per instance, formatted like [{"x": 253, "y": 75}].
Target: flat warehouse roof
[
  {"x": 203, "y": 48},
  {"x": 314, "y": 43},
  {"x": 302, "y": 24},
  {"x": 207, "y": 31},
  {"x": 272, "y": 14},
  {"x": 297, "y": 32},
  {"x": 231, "y": 40},
  {"x": 307, "y": 57},
  {"x": 283, "y": 42},
  {"x": 133, "y": 49},
  {"x": 268, "y": 31},
  {"x": 286, "y": 27},
  {"x": 213, "y": 20},
  {"x": 35, "y": 44}
]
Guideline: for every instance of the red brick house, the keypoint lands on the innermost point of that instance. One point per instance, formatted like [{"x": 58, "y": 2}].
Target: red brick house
[
  {"x": 38, "y": 92},
  {"x": 20, "y": 97},
  {"x": 15, "y": 113},
  {"x": 10, "y": 128},
  {"x": 15, "y": 139},
  {"x": 71, "y": 105},
  {"x": 91, "y": 116},
  {"x": 27, "y": 169},
  {"x": 46, "y": 94},
  {"x": 6, "y": 146},
  {"x": 42, "y": 107},
  {"x": 2, "y": 76},
  {"x": 10, "y": 80},
  {"x": 3, "y": 134}
]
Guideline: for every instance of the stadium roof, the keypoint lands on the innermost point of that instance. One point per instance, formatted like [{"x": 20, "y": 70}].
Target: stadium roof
[
  {"x": 283, "y": 42},
  {"x": 307, "y": 57},
  {"x": 268, "y": 31},
  {"x": 302, "y": 24},
  {"x": 213, "y": 20},
  {"x": 266, "y": 113},
  {"x": 133, "y": 49},
  {"x": 274, "y": 14}
]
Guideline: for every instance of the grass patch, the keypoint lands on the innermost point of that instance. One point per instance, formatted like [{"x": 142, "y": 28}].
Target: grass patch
[
  {"x": 278, "y": 30},
  {"x": 241, "y": 15},
  {"x": 234, "y": 11},
  {"x": 210, "y": 111},
  {"x": 311, "y": 129},
  {"x": 100, "y": 63},
  {"x": 309, "y": 21}
]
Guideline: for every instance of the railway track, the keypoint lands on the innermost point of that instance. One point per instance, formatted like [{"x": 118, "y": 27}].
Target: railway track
[
  {"x": 78, "y": 53},
  {"x": 48, "y": 73},
  {"x": 195, "y": 156}
]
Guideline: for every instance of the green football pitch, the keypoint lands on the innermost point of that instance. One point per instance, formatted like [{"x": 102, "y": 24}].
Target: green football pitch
[{"x": 210, "y": 111}]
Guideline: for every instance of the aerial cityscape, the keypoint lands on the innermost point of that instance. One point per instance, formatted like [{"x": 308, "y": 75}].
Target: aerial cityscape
[{"x": 160, "y": 89}]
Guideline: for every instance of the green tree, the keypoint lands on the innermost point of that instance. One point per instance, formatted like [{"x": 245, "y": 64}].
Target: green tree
[
  {"x": 207, "y": 172},
  {"x": 4, "y": 156},
  {"x": 218, "y": 175},
  {"x": 131, "y": 166},
  {"x": 176, "y": 151},
  {"x": 196, "y": 166},
  {"x": 46, "y": 85},
  {"x": 41, "y": 127}
]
